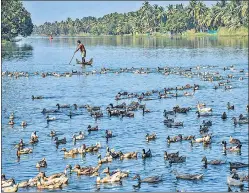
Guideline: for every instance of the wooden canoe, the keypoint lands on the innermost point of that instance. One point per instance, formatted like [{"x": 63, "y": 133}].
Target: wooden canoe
[{"x": 85, "y": 63}]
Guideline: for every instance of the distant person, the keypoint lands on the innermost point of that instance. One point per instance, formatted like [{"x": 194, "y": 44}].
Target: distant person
[{"x": 82, "y": 49}]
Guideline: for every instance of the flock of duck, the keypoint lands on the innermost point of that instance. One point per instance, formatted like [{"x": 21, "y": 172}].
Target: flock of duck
[{"x": 62, "y": 179}]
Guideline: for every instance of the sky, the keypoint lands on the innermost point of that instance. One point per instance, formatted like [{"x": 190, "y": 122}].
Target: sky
[{"x": 50, "y": 11}]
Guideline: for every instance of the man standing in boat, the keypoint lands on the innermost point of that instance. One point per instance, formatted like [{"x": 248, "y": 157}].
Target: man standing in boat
[{"x": 82, "y": 49}]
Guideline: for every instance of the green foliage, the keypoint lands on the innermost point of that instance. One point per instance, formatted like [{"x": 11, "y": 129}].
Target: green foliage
[
  {"x": 16, "y": 20},
  {"x": 149, "y": 19}
]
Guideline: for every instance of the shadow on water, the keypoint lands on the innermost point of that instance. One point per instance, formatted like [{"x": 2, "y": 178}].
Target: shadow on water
[{"x": 16, "y": 51}]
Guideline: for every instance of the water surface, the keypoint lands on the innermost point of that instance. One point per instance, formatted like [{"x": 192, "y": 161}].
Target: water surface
[{"x": 39, "y": 54}]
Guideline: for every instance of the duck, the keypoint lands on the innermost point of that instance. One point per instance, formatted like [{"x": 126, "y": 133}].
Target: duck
[
  {"x": 52, "y": 133},
  {"x": 93, "y": 171},
  {"x": 108, "y": 134},
  {"x": 11, "y": 117},
  {"x": 71, "y": 152},
  {"x": 78, "y": 137},
  {"x": 152, "y": 179},
  {"x": 109, "y": 179},
  {"x": 13, "y": 188},
  {"x": 92, "y": 148},
  {"x": 44, "y": 111},
  {"x": 190, "y": 137},
  {"x": 129, "y": 155},
  {"x": 224, "y": 116},
  {"x": 203, "y": 129},
  {"x": 122, "y": 174},
  {"x": 7, "y": 182},
  {"x": 243, "y": 121},
  {"x": 104, "y": 160},
  {"x": 236, "y": 165},
  {"x": 112, "y": 153},
  {"x": 202, "y": 109},
  {"x": 234, "y": 141},
  {"x": 180, "y": 159},
  {"x": 41, "y": 185},
  {"x": 232, "y": 149},
  {"x": 189, "y": 176},
  {"x": 174, "y": 124},
  {"x": 234, "y": 179},
  {"x": 21, "y": 144},
  {"x": 90, "y": 128},
  {"x": 212, "y": 162},
  {"x": 60, "y": 141},
  {"x": 174, "y": 139},
  {"x": 150, "y": 137},
  {"x": 242, "y": 117},
  {"x": 146, "y": 154},
  {"x": 93, "y": 108},
  {"x": 33, "y": 140},
  {"x": 170, "y": 155},
  {"x": 23, "y": 151},
  {"x": 50, "y": 119},
  {"x": 62, "y": 106},
  {"x": 78, "y": 106},
  {"x": 24, "y": 123},
  {"x": 42, "y": 163},
  {"x": 36, "y": 97},
  {"x": 11, "y": 122},
  {"x": 229, "y": 106}
]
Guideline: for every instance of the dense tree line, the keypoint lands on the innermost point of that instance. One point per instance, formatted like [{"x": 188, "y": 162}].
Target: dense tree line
[
  {"x": 16, "y": 20},
  {"x": 153, "y": 18}
]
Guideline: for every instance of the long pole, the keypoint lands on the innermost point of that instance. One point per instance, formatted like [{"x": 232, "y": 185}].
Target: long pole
[{"x": 71, "y": 59}]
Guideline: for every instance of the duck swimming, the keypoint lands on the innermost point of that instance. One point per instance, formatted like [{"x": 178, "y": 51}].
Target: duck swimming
[
  {"x": 212, "y": 162},
  {"x": 104, "y": 160},
  {"x": 236, "y": 165},
  {"x": 170, "y": 155},
  {"x": 232, "y": 149},
  {"x": 146, "y": 154},
  {"x": 108, "y": 134},
  {"x": 23, "y": 151},
  {"x": 61, "y": 141},
  {"x": 188, "y": 176},
  {"x": 42, "y": 163},
  {"x": 62, "y": 106},
  {"x": 180, "y": 159},
  {"x": 224, "y": 116},
  {"x": 152, "y": 179},
  {"x": 150, "y": 137},
  {"x": 89, "y": 128},
  {"x": 24, "y": 123},
  {"x": 78, "y": 137},
  {"x": 242, "y": 121},
  {"x": 52, "y": 133},
  {"x": 11, "y": 122},
  {"x": 229, "y": 106},
  {"x": 11, "y": 117},
  {"x": 50, "y": 119},
  {"x": 36, "y": 97},
  {"x": 129, "y": 155}
]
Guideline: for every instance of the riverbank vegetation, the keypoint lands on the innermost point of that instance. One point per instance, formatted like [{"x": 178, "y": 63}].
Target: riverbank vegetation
[
  {"x": 229, "y": 16},
  {"x": 16, "y": 20}
]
